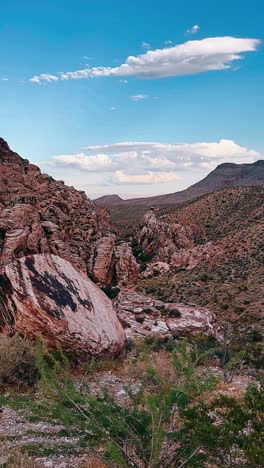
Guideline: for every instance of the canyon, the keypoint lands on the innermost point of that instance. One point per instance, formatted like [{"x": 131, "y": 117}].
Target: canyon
[{"x": 60, "y": 253}]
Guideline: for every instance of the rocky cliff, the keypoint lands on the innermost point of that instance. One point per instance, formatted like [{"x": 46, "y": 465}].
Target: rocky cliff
[{"x": 41, "y": 215}]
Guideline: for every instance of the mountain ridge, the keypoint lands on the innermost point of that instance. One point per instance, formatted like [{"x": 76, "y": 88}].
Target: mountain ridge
[{"x": 225, "y": 175}]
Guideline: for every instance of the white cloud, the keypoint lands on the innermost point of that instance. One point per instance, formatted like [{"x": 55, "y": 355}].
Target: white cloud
[
  {"x": 86, "y": 163},
  {"x": 138, "y": 97},
  {"x": 194, "y": 29},
  {"x": 123, "y": 81},
  {"x": 222, "y": 150},
  {"x": 146, "y": 178},
  {"x": 145, "y": 45},
  {"x": 155, "y": 158},
  {"x": 191, "y": 57},
  {"x": 4, "y": 79},
  {"x": 44, "y": 77},
  {"x": 134, "y": 169}
]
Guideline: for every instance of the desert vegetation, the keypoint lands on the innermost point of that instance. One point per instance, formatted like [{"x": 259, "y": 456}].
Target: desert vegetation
[{"x": 167, "y": 408}]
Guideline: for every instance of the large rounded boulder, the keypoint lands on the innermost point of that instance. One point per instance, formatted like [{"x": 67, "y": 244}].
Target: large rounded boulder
[{"x": 45, "y": 296}]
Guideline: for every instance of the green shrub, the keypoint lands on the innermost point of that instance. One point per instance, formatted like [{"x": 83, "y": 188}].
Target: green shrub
[
  {"x": 140, "y": 319},
  {"x": 148, "y": 432}
]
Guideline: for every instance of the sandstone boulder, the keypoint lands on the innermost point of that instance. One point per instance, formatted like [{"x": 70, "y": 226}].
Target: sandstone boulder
[
  {"x": 44, "y": 295},
  {"x": 143, "y": 316}
]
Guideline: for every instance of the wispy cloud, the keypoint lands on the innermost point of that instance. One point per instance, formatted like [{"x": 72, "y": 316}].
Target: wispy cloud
[
  {"x": 145, "y": 45},
  {"x": 138, "y": 97},
  {"x": 191, "y": 57},
  {"x": 194, "y": 29}
]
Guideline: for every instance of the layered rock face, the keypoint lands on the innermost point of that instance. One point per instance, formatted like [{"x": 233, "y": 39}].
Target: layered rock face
[
  {"x": 44, "y": 295},
  {"x": 158, "y": 238},
  {"x": 41, "y": 215},
  {"x": 169, "y": 245},
  {"x": 143, "y": 316}
]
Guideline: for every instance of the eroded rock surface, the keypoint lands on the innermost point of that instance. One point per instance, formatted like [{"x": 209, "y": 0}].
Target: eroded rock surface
[
  {"x": 172, "y": 244},
  {"x": 126, "y": 266},
  {"x": 143, "y": 316},
  {"x": 44, "y": 295},
  {"x": 41, "y": 215}
]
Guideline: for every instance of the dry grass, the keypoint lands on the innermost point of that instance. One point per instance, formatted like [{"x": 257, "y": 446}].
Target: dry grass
[
  {"x": 15, "y": 459},
  {"x": 17, "y": 364}
]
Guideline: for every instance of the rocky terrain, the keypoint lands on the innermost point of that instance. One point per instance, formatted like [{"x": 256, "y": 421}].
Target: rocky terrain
[
  {"x": 41, "y": 215},
  {"x": 117, "y": 291},
  {"x": 163, "y": 251},
  {"x": 55, "y": 244},
  {"x": 145, "y": 317},
  {"x": 209, "y": 251}
]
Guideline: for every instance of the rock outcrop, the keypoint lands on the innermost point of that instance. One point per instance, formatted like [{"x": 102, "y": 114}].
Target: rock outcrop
[
  {"x": 44, "y": 295},
  {"x": 168, "y": 245},
  {"x": 143, "y": 316},
  {"x": 41, "y": 215},
  {"x": 126, "y": 266},
  {"x": 161, "y": 239}
]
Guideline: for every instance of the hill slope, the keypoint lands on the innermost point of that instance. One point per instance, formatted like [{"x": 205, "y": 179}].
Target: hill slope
[
  {"x": 230, "y": 279},
  {"x": 224, "y": 176}
]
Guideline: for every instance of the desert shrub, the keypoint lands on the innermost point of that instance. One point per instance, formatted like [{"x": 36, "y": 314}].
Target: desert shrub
[
  {"x": 230, "y": 432},
  {"x": 231, "y": 358},
  {"x": 140, "y": 319},
  {"x": 255, "y": 336},
  {"x": 17, "y": 363},
  {"x": 111, "y": 291},
  {"x": 173, "y": 313},
  {"x": 149, "y": 432}
]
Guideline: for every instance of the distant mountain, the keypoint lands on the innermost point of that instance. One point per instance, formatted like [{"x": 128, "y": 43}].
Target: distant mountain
[
  {"x": 224, "y": 176},
  {"x": 109, "y": 200}
]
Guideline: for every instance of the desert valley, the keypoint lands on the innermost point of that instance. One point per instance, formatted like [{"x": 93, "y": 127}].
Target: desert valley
[
  {"x": 131, "y": 234},
  {"x": 115, "y": 311}
]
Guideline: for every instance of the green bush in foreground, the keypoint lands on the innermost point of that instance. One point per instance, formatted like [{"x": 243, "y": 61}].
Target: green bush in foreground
[{"x": 165, "y": 425}]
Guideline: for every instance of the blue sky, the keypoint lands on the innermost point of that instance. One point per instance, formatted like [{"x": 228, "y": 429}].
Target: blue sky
[{"x": 179, "y": 119}]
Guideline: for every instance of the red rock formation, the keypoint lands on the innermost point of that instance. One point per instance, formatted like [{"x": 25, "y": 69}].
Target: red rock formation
[
  {"x": 143, "y": 316},
  {"x": 126, "y": 267},
  {"x": 171, "y": 244},
  {"x": 44, "y": 295},
  {"x": 41, "y": 215},
  {"x": 160, "y": 239}
]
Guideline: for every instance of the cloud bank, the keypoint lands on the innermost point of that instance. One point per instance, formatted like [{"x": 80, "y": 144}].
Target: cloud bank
[
  {"x": 154, "y": 162},
  {"x": 191, "y": 57}
]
